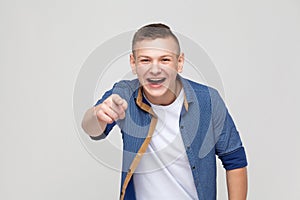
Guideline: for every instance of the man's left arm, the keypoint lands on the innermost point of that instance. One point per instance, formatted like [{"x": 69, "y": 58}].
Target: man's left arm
[
  {"x": 237, "y": 183},
  {"x": 229, "y": 149}
]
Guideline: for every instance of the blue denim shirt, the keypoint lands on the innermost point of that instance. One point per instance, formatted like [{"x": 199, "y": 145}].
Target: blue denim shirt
[{"x": 206, "y": 127}]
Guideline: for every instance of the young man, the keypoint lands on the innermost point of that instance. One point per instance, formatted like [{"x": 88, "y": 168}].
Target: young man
[{"x": 172, "y": 128}]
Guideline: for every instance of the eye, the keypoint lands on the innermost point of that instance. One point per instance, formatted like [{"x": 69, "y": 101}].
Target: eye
[
  {"x": 145, "y": 60},
  {"x": 166, "y": 60}
]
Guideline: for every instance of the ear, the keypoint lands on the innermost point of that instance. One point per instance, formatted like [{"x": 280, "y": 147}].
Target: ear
[
  {"x": 132, "y": 63},
  {"x": 180, "y": 62}
]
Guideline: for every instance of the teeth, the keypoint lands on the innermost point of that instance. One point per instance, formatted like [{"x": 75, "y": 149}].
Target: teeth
[{"x": 155, "y": 79}]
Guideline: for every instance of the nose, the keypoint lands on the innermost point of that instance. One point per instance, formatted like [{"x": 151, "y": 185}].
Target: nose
[{"x": 155, "y": 68}]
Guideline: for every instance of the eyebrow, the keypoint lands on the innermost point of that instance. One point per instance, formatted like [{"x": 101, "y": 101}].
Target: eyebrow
[{"x": 144, "y": 56}]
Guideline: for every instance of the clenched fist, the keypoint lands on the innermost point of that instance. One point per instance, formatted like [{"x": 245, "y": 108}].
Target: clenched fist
[
  {"x": 112, "y": 109},
  {"x": 96, "y": 118}
]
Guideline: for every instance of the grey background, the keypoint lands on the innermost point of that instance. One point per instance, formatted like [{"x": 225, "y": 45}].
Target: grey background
[{"x": 255, "y": 46}]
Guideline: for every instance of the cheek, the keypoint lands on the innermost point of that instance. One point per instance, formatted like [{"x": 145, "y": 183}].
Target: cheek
[
  {"x": 142, "y": 71},
  {"x": 171, "y": 71},
  {"x": 141, "y": 74}
]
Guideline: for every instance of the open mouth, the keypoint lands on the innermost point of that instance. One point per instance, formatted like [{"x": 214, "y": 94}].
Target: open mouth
[{"x": 156, "y": 80}]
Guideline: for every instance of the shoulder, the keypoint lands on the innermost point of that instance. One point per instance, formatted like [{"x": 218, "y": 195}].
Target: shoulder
[
  {"x": 126, "y": 88},
  {"x": 196, "y": 85},
  {"x": 127, "y": 84},
  {"x": 198, "y": 88}
]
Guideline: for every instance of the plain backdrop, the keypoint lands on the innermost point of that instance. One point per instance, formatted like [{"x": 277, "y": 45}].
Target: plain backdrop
[{"x": 254, "y": 45}]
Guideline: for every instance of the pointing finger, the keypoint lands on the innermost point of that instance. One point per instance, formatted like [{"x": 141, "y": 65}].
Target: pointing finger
[
  {"x": 117, "y": 100},
  {"x": 124, "y": 104}
]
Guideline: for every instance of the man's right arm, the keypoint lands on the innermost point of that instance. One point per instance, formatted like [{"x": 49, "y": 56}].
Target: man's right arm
[{"x": 96, "y": 118}]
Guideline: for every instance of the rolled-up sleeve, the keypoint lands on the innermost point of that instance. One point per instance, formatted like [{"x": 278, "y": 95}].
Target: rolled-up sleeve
[{"x": 229, "y": 147}]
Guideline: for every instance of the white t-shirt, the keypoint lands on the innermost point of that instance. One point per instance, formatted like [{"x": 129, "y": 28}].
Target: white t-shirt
[{"x": 164, "y": 171}]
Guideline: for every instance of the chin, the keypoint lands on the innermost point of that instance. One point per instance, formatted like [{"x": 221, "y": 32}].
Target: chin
[{"x": 156, "y": 92}]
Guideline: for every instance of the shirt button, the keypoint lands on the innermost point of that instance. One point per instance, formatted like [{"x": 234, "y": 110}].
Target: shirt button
[
  {"x": 188, "y": 147},
  {"x": 181, "y": 127},
  {"x": 193, "y": 167}
]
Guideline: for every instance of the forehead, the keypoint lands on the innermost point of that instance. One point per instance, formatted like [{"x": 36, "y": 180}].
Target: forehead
[{"x": 157, "y": 46}]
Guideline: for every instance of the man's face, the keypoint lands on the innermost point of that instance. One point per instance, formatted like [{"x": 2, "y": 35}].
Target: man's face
[{"x": 156, "y": 64}]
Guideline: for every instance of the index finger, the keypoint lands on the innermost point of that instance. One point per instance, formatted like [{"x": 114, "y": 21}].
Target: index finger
[{"x": 117, "y": 100}]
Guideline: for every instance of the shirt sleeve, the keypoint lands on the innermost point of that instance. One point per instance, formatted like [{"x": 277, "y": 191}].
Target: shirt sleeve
[{"x": 229, "y": 147}]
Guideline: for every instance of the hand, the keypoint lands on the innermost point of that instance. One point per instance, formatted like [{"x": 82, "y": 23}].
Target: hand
[{"x": 112, "y": 109}]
